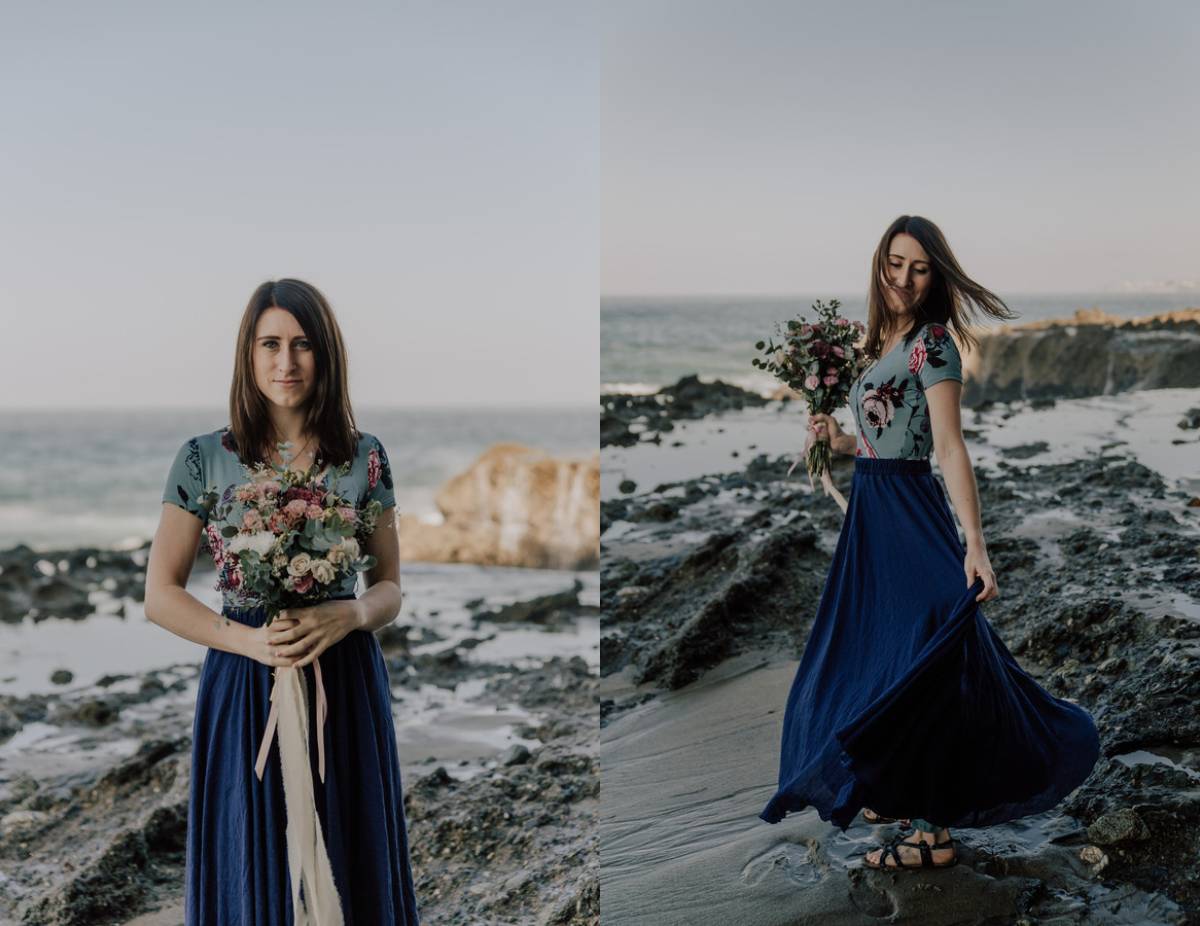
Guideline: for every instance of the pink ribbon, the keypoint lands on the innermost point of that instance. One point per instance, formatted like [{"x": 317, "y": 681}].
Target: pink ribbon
[{"x": 264, "y": 749}]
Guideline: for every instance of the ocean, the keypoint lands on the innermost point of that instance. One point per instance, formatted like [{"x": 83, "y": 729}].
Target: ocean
[
  {"x": 650, "y": 342},
  {"x": 95, "y": 478}
]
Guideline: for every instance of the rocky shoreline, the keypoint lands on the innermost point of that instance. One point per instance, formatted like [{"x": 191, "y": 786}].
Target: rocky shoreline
[
  {"x": 93, "y": 832},
  {"x": 713, "y": 581}
]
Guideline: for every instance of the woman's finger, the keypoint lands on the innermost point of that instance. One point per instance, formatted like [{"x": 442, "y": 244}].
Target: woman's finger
[{"x": 305, "y": 660}]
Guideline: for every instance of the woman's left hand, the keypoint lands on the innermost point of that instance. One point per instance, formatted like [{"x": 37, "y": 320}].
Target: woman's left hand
[
  {"x": 303, "y": 634},
  {"x": 977, "y": 565}
]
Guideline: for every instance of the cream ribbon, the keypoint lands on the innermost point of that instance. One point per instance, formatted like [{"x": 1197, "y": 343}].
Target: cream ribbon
[{"x": 308, "y": 861}]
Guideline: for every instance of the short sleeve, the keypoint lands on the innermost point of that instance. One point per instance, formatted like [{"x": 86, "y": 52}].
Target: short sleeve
[
  {"x": 935, "y": 357},
  {"x": 185, "y": 481},
  {"x": 379, "y": 474}
]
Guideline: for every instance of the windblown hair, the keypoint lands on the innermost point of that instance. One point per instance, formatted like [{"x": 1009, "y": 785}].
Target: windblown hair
[
  {"x": 949, "y": 299},
  {"x": 328, "y": 414}
]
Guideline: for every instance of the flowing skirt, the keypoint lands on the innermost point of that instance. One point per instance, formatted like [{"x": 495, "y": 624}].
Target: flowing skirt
[
  {"x": 906, "y": 701},
  {"x": 237, "y": 862}
]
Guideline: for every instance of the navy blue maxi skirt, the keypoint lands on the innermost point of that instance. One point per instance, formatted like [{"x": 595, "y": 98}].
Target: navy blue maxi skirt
[
  {"x": 237, "y": 870},
  {"x": 906, "y": 701}
]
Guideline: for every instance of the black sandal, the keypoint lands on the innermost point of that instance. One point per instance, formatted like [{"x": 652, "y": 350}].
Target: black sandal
[
  {"x": 872, "y": 817},
  {"x": 926, "y": 855}
]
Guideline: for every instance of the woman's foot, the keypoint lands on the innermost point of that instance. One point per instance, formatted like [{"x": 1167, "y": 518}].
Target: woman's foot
[{"x": 920, "y": 850}]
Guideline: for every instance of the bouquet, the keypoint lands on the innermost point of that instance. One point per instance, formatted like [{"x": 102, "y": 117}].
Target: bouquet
[
  {"x": 820, "y": 361},
  {"x": 297, "y": 538}
]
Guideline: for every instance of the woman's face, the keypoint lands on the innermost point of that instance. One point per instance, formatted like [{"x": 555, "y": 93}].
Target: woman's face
[
  {"x": 909, "y": 272},
  {"x": 285, "y": 367}
]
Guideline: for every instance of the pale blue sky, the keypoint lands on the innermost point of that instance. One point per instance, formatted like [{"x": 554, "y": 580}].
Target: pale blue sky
[
  {"x": 763, "y": 147},
  {"x": 433, "y": 168}
]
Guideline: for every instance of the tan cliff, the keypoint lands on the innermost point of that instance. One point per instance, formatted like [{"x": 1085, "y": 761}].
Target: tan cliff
[{"x": 514, "y": 506}]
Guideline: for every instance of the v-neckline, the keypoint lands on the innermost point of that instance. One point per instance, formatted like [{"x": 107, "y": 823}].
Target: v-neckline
[{"x": 886, "y": 354}]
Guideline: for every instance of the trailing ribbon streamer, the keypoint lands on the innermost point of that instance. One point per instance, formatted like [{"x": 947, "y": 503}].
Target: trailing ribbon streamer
[
  {"x": 826, "y": 479},
  {"x": 308, "y": 860}
]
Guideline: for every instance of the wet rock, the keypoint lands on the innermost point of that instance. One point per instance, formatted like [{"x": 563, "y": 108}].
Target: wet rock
[
  {"x": 689, "y": 398},
  {"x": 21, "y": 824},
  {"x": 516, "y": 754},
  {"x": 61, "y": 677},
  {"x": 92, "y": 712},
  {"x": 1190, "y": 419},
  {"x": 545, "y": 609},
  {"x": 1118, "y": 826}
]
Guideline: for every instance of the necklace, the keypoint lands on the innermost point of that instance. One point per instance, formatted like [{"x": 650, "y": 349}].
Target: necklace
[{"x": 300, "y": 453}]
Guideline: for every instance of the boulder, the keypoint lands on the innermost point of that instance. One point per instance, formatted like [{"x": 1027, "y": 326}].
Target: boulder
[{"x": 515, "y": 506}]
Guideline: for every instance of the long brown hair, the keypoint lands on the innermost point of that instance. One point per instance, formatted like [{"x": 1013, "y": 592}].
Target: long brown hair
[
  {"x": 950, "y": 295},
  {"x": 328, "y": 414}
]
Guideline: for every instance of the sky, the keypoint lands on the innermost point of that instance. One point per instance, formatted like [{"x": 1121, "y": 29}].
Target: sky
[
  {"x": 764, "y": 147},
  {"x": 432, "y": 168}
]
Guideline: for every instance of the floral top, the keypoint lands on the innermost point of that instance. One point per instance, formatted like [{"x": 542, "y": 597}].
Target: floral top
[
  {"x": 888, "y": 398},
  {"x": 209, "y": 463}
]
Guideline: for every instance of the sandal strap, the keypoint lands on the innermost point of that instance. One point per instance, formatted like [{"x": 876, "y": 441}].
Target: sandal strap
[{"x": 926, "y": 854}]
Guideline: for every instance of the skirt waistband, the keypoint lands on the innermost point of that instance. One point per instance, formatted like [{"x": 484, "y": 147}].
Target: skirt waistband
[{"x": 871, "y": 467}]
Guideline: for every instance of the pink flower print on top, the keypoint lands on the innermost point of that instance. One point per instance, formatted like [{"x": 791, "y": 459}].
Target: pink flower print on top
[
  {"x": 880, "y": 403},
  {"x": 374, "y": 468},
  {"x": 215, "y": 545},
  {"x": 916, "y": 359}
]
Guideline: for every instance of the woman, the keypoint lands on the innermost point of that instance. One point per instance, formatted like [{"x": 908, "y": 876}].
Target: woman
[
  {"x": 906, "y": 703},
  {"x": 289, "y": 387}
]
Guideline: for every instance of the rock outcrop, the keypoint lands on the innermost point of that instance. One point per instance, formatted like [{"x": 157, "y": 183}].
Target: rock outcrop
[
  {"x": 1092, "y": 353},
  {"x": 515, "y": 506}
]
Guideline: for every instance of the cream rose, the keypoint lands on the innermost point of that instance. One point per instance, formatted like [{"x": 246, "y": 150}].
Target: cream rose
[
  {"x": 300, "y": 565},
  {"x": 323, "y": 571}
]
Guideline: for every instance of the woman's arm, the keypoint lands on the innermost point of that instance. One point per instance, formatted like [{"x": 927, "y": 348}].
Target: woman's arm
[
  {"x": 167, "y": 601},
  {"x": 945, "y": 416},
  {"x": 380, "y": 603}
]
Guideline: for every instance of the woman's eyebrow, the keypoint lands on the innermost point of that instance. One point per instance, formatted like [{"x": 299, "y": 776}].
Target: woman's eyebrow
[
  {"x": 280, "y": 337},
  {"x": 915, "y": 260}
]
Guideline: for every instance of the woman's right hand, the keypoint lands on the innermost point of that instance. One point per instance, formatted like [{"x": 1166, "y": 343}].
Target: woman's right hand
[
  {"x": 262, "y": 651},
  {"x": 825, "y": 427}
]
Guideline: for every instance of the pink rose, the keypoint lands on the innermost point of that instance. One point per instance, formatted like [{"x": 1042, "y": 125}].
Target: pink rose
[
  {"x": 831, "y": 379},
  {"x": 860, "y": 326},
  {"x": 937, "y": 330},
  {"x": 842, "y": 322},
  {"x": 811, "y": 382},
  {"x": 374, "y": 468},
  {"x": 838, "y": 352},
  {"x": 304, "y": 583},
  {"x": 916, "y": 360},
  {"x": 314, "y": 513},
  {"x": 247, "y": 493},
  {"x": 252, "y": 521},
  {"x": 348, "y": 514},
  {"x": 296, "y": 508},
  {"x": 278, "y": 523}
]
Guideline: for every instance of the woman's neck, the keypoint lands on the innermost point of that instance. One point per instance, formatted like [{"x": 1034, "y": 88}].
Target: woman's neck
[{"x": 288, "y": 425}]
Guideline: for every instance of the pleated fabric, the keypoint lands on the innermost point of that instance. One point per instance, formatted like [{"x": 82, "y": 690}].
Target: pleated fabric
[
  {"x": 906, "y": 701},
  {"x": 237, "y": 862}
]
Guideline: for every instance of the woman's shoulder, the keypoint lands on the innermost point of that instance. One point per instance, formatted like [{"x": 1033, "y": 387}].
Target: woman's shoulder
[{"x": 213, "y": 442}]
